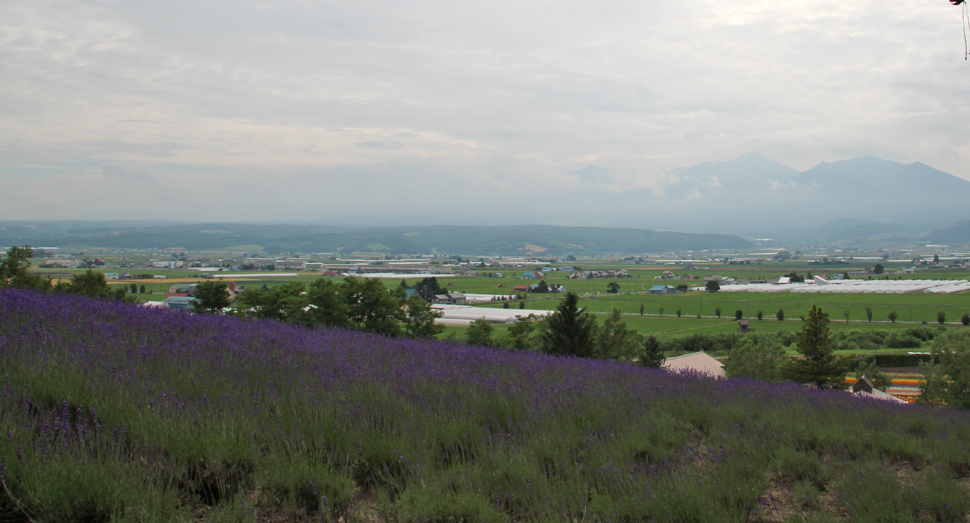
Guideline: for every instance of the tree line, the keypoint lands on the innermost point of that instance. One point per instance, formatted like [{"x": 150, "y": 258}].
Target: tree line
[
  {"x": 15, "y": 273},
  {"x": 361, "y": 304}
]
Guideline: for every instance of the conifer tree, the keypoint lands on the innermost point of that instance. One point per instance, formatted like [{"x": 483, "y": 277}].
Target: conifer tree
[
  {"x": 570, "y": 331},
  {"x": 819, "y": 365}
]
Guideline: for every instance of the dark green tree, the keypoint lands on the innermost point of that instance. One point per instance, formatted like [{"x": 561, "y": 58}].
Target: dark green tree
[
  {"x": 428, "y": 288},
  {"x": 324, "y": 303},
  {"x": 818, "y": 365},
  {"x": 505, "y": 305},
  {"x": 420, "y": 319},
  {"x": 712, "y": 286},
  {"x": 373, "y": 307},
  {"x": 965, "y": 320},
  {"x": 521, "y": 305},
  {"x": 717, "y": 312},
  {"x": 211, "y": 297},
  {"x": 142, "y": 289},
  {"x": 869, "y": 314},
  {"x": 760, "y": 315},
  {"x": 641, "y": 309},
  {"x": 15, "y": 271},
  {"x": 878, "y": 269},
  {"x": 941, "y": 317},
  {"x": 780, "y": 315},
  {"x": 661, "y": 310},
  {"x": 653, "y": 354},
  {"x": 893, "y": 316},
  {"x": 570, "y": 330},
  {"x": 284, "y": 302},
  {"x": 93, "y": 285},
  {"x": 479, "y": 333},
  {"x": 612, "y": 287},
  {"x": 542, "y": 286},
  {"x": 133, "y": 288},
  {"x": 738, "y": 314}
]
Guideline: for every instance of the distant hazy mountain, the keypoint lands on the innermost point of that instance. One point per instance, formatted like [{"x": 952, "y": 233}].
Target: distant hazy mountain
[
  {"x": 954, "y": 234},
  {"x": 753, "y": 195},
  {"x": 504, "y": 240}
]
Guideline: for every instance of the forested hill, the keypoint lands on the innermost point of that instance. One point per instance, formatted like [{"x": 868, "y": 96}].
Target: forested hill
[{"x": 502, "y": 240}]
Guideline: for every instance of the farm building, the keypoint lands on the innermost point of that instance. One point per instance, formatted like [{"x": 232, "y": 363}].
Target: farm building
[
  {"x": 520, "y": 288},
  {"x": 529, "y": 275},
  {"x": 698, "y": 362},
  {"x": 864, "y": 387},
  {"x": 180, "y": 303},
  {"x": 464, "y": 314},
  {"x": 181, "y": 288},
  {"x": 662, "y": 289},
  {"x": 451, "y": 298}
]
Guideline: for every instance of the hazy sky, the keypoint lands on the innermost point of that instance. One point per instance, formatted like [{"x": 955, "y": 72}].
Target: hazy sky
[{"x": 476, "y": 111}]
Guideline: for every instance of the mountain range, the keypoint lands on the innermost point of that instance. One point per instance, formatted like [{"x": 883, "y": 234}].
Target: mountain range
[
  {"x": 501, "y": 240},
  {"x": 755, "y": 196}
]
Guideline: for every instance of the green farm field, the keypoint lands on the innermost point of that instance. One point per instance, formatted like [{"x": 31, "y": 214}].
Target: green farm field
[
  {"x": 672, "y": 327},
  {"x": 914, "y": 307}
]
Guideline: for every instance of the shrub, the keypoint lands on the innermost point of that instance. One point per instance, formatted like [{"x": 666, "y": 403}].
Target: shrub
[
  {"x": 780, "y": 315},
  {"x": 941, "y": 317},
  {"x": 738, "y": 314},
  {"x": 965, "y": 320},
  {"x": 760, "y": 314},
  {"x": 901, "y": 340},
  {"x": 923, "y": 333}
]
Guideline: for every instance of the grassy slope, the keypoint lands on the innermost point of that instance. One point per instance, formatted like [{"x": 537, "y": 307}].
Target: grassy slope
[{"x": 141, "y": 415}]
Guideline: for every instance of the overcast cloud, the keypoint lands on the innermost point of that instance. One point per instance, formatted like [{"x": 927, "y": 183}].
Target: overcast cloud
[{"x": 479, "y": 111}]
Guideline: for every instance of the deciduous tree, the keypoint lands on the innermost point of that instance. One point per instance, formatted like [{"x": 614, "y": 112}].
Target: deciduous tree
[
  {"x": 93, "y": 285},
  {"x": 616, "y": 340},
  {"x": 754, "y": 359},
  {"x": 479, "y": 332},
  {"x": 210, "y": 297},
  {"x": 15, "y": 271},
  {"x": 948, "y": 380},
  {"x": 420, "y": 319}
]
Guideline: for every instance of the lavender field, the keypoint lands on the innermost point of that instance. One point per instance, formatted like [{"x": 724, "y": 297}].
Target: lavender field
[{"x": 112, "y": 412}]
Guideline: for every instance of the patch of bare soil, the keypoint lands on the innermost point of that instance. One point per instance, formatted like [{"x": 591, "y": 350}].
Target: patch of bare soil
[{"x": 780, "y": 502}]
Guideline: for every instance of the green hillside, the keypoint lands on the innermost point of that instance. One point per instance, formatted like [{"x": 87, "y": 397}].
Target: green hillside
[{"x": 503, "y": 240}]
